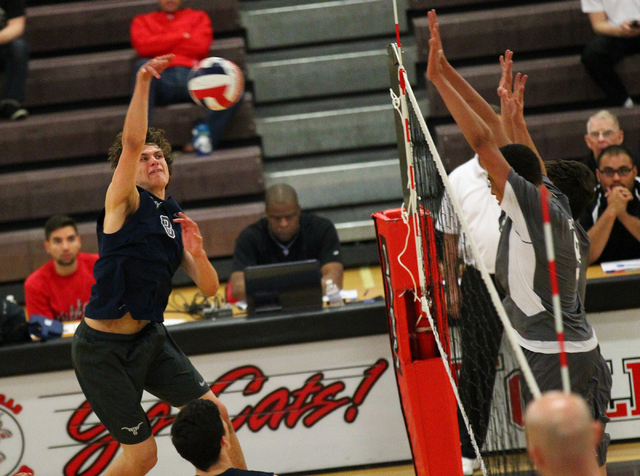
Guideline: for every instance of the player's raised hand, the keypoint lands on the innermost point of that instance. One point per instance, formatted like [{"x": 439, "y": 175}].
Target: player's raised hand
[
  {"x": 436, "y": 53},
  {"x": 155, "y": 66},
  {"x": 506, "y": 63},
  {"x": 514, "y": 101},
  {"x": 191, "y": 238}
]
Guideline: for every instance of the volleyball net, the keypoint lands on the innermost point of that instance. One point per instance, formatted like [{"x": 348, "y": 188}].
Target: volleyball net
[{"x": 443, "y": 307}]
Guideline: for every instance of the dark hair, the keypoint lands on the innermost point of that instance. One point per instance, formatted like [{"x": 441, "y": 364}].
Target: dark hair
[
  {"x": 197, "y": 433},
  {"x": 56, "y": 222},
  {"x": 154, "y": 136},
  {"x": 611, "y": 150},
  {"x": 576, "y": 181},
  {"x": 524, "y": 161}
]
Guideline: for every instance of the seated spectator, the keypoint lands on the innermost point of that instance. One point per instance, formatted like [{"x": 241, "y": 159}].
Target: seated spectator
[
  {"x": 61, "y": 288},
  {"x": 603, "y": 130},
  {"x": 562, "y": 435},
  {"x": 201, "y": 436},
  {"x": 612, "y": 220},
  {"x": 14, "y": 59},
  {"x": 286, "y": 234},
  {"x": 615, "y": 24},
  {"x": 187, "y": 34}
]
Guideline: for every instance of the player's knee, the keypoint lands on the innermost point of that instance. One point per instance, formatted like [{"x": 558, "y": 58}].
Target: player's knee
[
  {"x": 141, "y": 458},
  {"x": 148, "y": 461}
]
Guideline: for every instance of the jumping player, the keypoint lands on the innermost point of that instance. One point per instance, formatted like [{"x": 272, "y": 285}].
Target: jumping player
[
  {"x": 122, "y": 346},
  {"x": 517, "y": 178}
]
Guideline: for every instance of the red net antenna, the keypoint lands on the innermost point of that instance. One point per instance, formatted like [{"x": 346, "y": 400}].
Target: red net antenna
[{"x": 555, "y": 294}]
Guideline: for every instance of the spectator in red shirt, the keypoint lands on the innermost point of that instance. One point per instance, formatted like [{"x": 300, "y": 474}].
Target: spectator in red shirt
[
  {"x": 61, "y": 288},
  {"x": 187, "y": 34}
]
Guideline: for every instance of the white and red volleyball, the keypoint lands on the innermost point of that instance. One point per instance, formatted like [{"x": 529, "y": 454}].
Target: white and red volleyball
[{"x": 216, "y": 83}]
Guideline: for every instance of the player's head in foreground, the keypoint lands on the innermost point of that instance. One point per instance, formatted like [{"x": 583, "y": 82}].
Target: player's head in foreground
[
  {"x": 200, "y": 435},
  {"x": 562, "y": 436}
]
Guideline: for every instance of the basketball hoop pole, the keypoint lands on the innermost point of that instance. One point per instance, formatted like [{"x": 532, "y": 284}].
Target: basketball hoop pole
[{"x": 555, "y": 295}]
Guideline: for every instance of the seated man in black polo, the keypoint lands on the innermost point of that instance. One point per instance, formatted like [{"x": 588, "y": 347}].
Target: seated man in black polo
[
  {"x": 613, "y": 218},
  {"x": 286, "y": 234}
]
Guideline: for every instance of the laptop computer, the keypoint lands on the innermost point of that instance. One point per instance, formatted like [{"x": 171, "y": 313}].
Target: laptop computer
[{"x": 295, "y": 285}]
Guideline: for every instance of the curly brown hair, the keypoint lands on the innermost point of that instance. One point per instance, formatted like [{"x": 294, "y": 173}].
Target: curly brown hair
[{"x": 154, "y": 136}]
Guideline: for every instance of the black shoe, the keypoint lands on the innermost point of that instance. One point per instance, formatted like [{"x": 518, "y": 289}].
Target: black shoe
[{"x": 12, "y": 110}]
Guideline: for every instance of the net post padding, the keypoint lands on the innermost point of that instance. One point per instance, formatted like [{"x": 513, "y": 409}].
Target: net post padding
[{"x": 428, "y": 402}]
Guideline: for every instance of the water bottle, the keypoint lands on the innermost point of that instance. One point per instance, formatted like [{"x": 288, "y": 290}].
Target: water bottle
[
  {"x": 201, "y": 136},
  {"x": 333, "y": 294}
]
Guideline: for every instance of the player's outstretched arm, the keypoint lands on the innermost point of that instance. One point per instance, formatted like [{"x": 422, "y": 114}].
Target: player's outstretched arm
[
  {"x": 506, "y": 83},
  {"x": 122, "y": 197},
  {"x": 475, "y": 130},
  {"x": 194, "y": 259},
  {"x": 513, "y": 101},
  {"x": 473, "y": 98}
]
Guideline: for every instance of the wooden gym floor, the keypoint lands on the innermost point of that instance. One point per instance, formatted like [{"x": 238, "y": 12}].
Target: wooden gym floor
[{"x": 623, "y": 460}]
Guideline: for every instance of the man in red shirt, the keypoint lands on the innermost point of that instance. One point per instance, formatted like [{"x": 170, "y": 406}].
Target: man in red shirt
[
  {"x": 61, "y": 288},
  {"x": 187, "y": 34}
]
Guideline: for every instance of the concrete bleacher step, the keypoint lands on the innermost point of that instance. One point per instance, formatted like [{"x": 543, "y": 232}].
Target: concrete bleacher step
[
  {"x": 556, "y": 135},
  {"x": 429, "y": 4},
  {"x": 345, "y": 179},
  {"x": 97, "y": 76},
  {"x": 344, "y": 187},
  {"x": 78, "y": 189},
  {"x": 285, "y": 23},
  {"x": 99, "y": 23},
  {"x": 348, "y": 67},
  {"x": 90, "y": 132},
  {"x": 525, "y": 28},
  {"x": 21, "y": 251},
  {"x": 325, "y": 126},
  {"x": 553, "y": 81},
  {"x": 355, "y": 224}
]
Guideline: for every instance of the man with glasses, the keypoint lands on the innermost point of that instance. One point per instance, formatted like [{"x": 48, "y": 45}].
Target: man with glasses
[
  {"x": 603, "y": 130},
  {"x": 613, "y": 218}
]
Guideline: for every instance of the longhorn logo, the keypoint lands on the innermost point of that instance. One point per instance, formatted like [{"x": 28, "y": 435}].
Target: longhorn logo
[{"x": 133, "y": 429}]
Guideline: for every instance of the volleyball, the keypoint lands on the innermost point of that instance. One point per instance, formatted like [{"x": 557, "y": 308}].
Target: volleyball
[{"x": 216, "y": 83}]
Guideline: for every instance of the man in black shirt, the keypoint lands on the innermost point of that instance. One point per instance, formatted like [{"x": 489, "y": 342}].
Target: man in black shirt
[
  {"x": 613, "y": 218},
  {"x": 286, "y": 234},
  {"x": 14, "y": 59}
]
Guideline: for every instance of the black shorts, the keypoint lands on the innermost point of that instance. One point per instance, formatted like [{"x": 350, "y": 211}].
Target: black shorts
[
  {"x": 590, "y": 378},
  {"x": 114, "y": 369}
]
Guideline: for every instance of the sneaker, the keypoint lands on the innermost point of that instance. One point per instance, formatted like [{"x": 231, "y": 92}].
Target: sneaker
[
  {"x": 12, "y": 110},
  {"x": 469, "y": 465}
]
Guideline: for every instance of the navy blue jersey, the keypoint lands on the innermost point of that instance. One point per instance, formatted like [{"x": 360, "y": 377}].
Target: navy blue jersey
[
  {"x": 244, "y": 472},
  {"x": 136, "y": 264}
]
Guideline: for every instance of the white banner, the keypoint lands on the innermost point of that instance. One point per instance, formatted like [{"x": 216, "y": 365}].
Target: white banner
[
  {"x": 302, "y": 407},
  {"x": 619, "y": 336}
]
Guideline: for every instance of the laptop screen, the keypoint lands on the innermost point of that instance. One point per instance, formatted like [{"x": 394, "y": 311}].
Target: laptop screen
[{"x": 295, "y": 285}]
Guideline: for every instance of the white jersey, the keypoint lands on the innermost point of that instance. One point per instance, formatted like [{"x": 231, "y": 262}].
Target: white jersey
[
  {"x": 469, "y": 185},
  {"x": 617, "y": 11}
]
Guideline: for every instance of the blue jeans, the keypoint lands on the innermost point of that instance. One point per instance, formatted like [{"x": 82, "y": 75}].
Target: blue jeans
[
  {"x": 171, "y": 88},
  {"x": 14, "y": 61}
]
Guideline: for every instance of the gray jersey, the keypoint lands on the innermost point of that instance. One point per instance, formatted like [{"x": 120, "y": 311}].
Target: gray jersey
[{"x": 522, "y": 269}]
